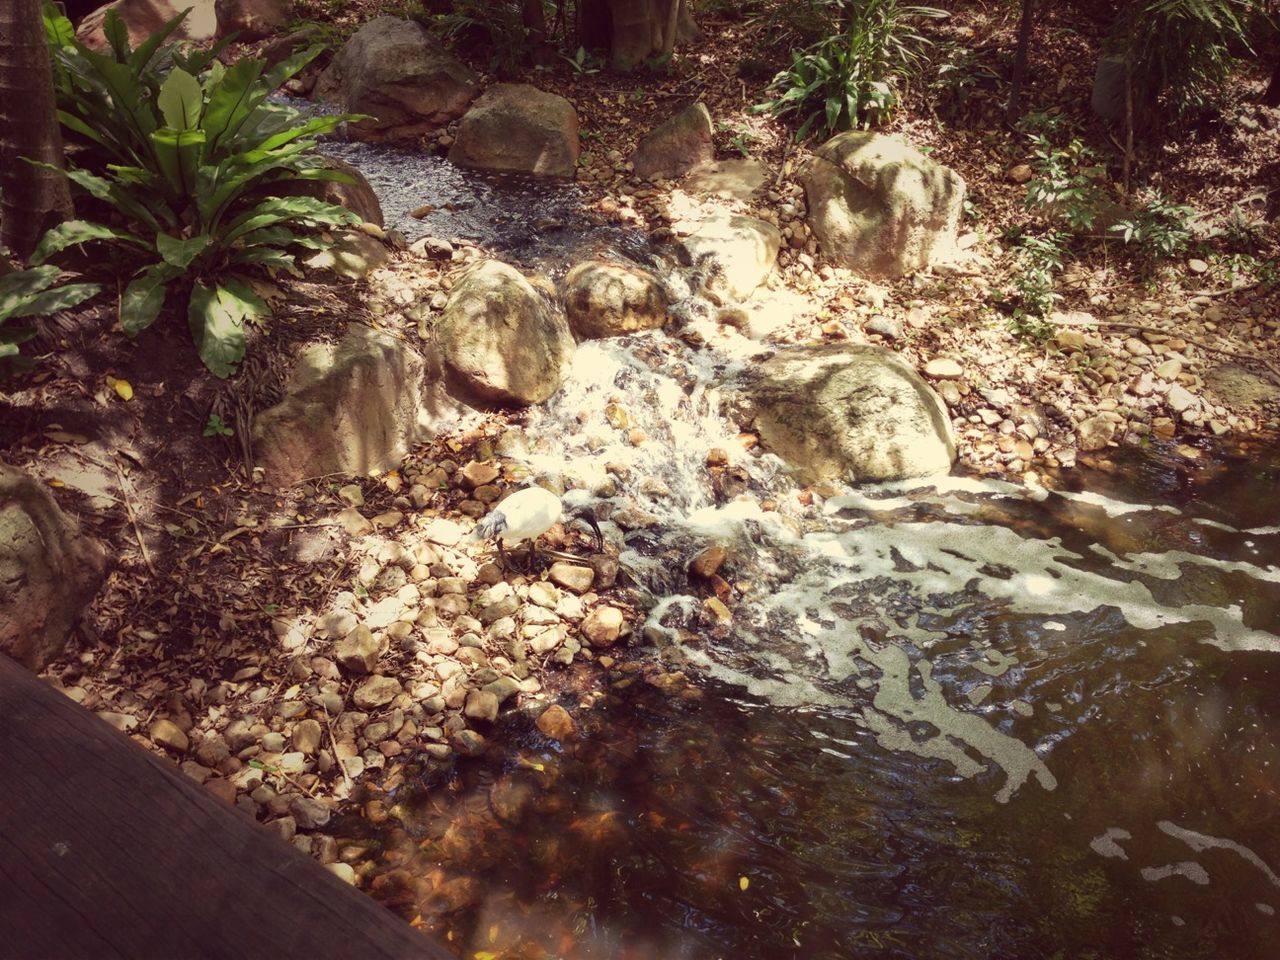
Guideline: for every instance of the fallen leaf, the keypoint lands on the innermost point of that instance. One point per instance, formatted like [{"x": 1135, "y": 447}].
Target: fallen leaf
[
  {"x": 743, "y": 883},
  {"x": 123, "y": 388}
]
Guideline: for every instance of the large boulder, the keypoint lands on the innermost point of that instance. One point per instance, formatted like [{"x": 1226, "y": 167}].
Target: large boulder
[
  {"x": 850, "y": 412},
  {"x": 142, "y": 18},
  {"x": 517, "y": 127},
  {"x": 879, "y": 206},
  {"x": 392, "y": 70},
  {"x": 49, "y": 571},
  {"x": 502, "y": 339},
  {"x": 352, "y": 407},
  {"x": 742, "y": 249},
  {"x": 676, "y": 146},
  {"x": 252, "y": 19},
  {"x": 605, "y": 299}
]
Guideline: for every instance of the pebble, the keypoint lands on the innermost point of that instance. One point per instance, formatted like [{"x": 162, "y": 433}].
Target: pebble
[
  {"x": 943, "y": 368},
  {"x": 602, "y": 626},
  {"x": 555, "y": 722},
  {"x": 306, "y": 737},
  {"x": 376, "y": 692},
  {"x": 708, "y": 562},
  {"x": 481, "y": 705},
  {"x": 359, "y": 650},
  {"x": 169, "y": 735},
  {"x": 572, "y": 576}
]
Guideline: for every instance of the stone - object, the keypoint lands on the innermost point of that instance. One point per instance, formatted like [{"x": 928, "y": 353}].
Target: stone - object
[
  {"x": 49, "y": 571},
  {"x": 737, "y": 179},
  {"x": 376, "y": 692},
  {"x": 676, "y": 146},
  {"x": 392, "y": 70},
  {"x": 848, "y": 411},
  {"x": 503, "y": 340},
  {"x": 357, "y": 195},
  {"x": 353, "y": 255},
  {"x": 743, "y": 248},
  {"x": 602, "y": 626},
  {"x": 517, "y": 127},
  {"x": 359, "y": 650},
  {"x": 880, "y": 207},
  {"x": 555, "y": 722},
  {"x": 1238, "y": 386},
  {"x": 604, "y": 299},
  {"x": 142, "y": 18},
  {"x": 252, "y": 19},
  {"x": 1095, "y": 433},
  {"x": 353, "y": 407},
  {"x": 1107, "y": 98}
]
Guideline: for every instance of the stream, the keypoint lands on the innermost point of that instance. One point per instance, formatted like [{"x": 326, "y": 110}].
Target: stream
[{"x": 951, "y": 718}]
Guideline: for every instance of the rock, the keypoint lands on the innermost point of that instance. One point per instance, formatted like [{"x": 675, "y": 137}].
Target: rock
[
  {"x": 376, "y": 692},
  {"x": 481, "y": 705},
  {"x": 401, "y": 76},
  {"x": 353, "y": 255},
  {"x": 307, "y": 736},
  {"x": 142, "y": 18},
  {"x": 503, "y": 340},
  {"x": 223, "y": 789},
  {"x": 1095, "y": 433},
  {"x": 49, "y": 571},
  {"x": 353, "y": 407},
  {"x": 602, "y": 626},
  {"x": 739, "y": 179},
  {"x": 252, "y": 19},
  {"x": 1180, "y": 398},
  {"x": 356, "y": 195},
  {"x": 556, "y": 723},
  {"x": 309, "y": 813},
  {"x": 468, "y": 743},
  {"x": 1196, "y": 265},
  {"x": 848, "y": 411},
  {"x": 1169, "y": 369},
  {"x": 743, "y": 247},
  {"x": 344, "y": 872},
  {"x": 604, "y": 299},
  {"x": 572, "y": 576},
  {"x": 708, "y": 561},
  {"x": 879, "y": 206},
  {"x": 1235, "y": 385},
  {"x": 943, "y": 368},
  {"x": 888, "y": 327},
  {"x": 676, "y": 146},
  {"x": 168, "y": 734},
  {"x": 1020, "y": 173},
  {"x": 479, "y": 472},
  {"x": 517, "y": 127},
  {"x": 359, "y": 650}
]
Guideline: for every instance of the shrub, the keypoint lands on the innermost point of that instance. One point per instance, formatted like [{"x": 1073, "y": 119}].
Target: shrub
[
  {"x": 1156, "y": 228},
  {"x": 184, "y": 154},
  {"x": 1180, "y": 49},
  {"x": 28, "y": 293},
  {"x": 851, "y": 78},
  {"x": 1068, "y": 183},
  {"x": 1039, "y": 258}
]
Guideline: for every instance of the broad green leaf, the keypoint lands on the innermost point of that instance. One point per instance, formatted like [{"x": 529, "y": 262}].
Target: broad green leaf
[
  {"x": 71, "y": 233},
  {"x": 285, "y": 209},
  {"x": 15, "y": 288},
  {"x": 143, "y": 298},
  {"x": 287, "y": 68},
  {"x": 180, "y": 253},
  {"x": 140, "y": 58},
  {"x": 58, "y": 30},
  {"x": 231, "y": 102},
  {"x": 178, "y": 152},
  {"x": 59, "y": 298},
  {"x": 181, "y": 100},
  {"x": 117, "y": 35},
  {"x": 217, "y": 316}
]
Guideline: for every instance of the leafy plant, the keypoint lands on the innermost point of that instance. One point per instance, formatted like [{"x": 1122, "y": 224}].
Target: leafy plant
[
  {"x": 1157, "y": 228},
  {"x": 959, "y": 75},
  {"x": 583, "y": 62},
  {"x": 1067, "y": 184},
  {"x": 185, "y": 153},
  {"x": 1180, "y": 49},
  {"x": 851, "y": 77},
  {"x": 214, "y": 427},
  {"x": 30, "y": 293},
  {"x": 1039, "y": 258}
]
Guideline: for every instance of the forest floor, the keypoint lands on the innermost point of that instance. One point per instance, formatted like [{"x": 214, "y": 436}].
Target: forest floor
[{"x": 203, "y": 642}]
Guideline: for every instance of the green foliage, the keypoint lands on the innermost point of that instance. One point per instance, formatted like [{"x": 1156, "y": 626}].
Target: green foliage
[
  {"x": 499, "y": 22},
  {"x": 1156, "y": 228},
  {"x": 1068, "y": 183},
  {"x": 182, "y": 155},
  {"x": 1039, "y": 258},
  {"x": 960, "y": 73},
  {"x": 31, "y": 293},
  {"x": 214, "y": 427},
  {"x": 851, "y": 77},
  {"x": 1180, "y": 49},
  {"x": 583, "y": 62}
]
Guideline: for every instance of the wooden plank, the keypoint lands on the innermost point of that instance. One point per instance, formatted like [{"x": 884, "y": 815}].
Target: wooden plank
[{"x": 109, "y": 852}]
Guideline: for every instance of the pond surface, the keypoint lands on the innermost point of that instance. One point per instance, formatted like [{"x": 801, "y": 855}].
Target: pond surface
[{"x": 961, "y": 718}]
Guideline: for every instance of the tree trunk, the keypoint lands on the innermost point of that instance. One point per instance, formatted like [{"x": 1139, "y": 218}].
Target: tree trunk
[
  {"x": 1019, "y": 64},
  {"x": 1272, "y": 97},
  {"x": 33, "y": 199}
]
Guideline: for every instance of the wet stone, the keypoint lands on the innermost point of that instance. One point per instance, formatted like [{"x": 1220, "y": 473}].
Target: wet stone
[
  {"x": 556, "y": 723},
  {"x": 481, "y": 705}
]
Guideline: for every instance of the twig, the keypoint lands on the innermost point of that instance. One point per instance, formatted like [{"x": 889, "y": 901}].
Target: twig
[
  {"x": 1225, "y": 291},
  {"x": 133, "y": 519},
  {"x": 333, "y": 742}
]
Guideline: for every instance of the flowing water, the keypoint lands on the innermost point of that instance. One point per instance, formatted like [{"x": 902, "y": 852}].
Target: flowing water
[{"x": 955, "y": 718}]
